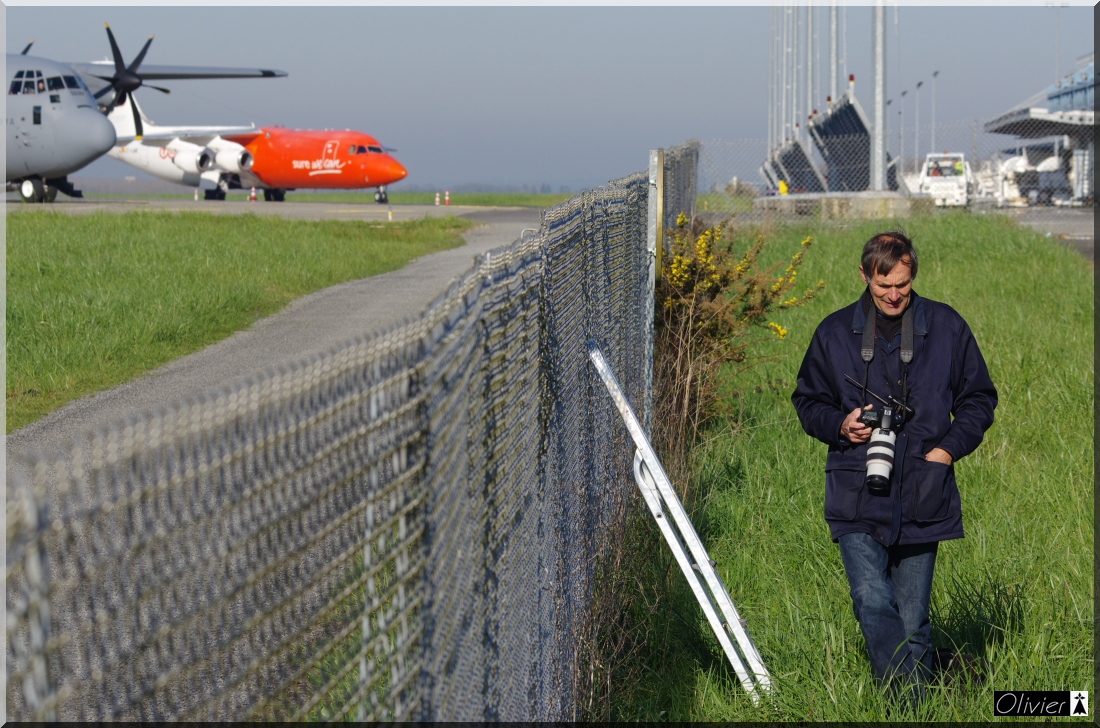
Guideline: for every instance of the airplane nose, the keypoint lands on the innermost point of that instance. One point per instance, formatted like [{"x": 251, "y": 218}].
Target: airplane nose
[
  {"x": 397, "y": 170},
  {"x": 88, "y": 135}
]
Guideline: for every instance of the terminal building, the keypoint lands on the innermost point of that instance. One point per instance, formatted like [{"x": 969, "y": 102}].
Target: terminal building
[{"x": 1057, "y": 125}]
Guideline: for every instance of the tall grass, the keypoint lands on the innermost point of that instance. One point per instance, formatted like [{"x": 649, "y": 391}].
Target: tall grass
[
  {"x": 1018, "y": 589},
  {"x": 93, "y": 301}
]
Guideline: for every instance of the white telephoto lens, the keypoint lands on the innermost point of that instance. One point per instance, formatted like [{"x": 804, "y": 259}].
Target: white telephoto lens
[{"x": 880, "y": 454}]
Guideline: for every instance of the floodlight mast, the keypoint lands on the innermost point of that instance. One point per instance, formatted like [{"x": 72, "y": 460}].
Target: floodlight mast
[
  {"x": 878, "y": 129},
  {"x": 833, "y": 69}
]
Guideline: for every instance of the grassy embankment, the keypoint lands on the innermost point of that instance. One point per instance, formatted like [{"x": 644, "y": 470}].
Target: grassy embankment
[
  {"x": 94, "y": 301},
  {"x": 469, "y": 199},
  {"x": 1017, "y": 589}
]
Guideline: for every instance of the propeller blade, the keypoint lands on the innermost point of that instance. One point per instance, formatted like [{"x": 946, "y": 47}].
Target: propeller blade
[
  {"x": 158, "y": 88},
  {"x": 138, "y": 131},
  {"x": 103, "y": 91},
  {"x": 120, "y": 66},
  {"x": 27, "y": 48},
  {"x": 140, "y": 56}
]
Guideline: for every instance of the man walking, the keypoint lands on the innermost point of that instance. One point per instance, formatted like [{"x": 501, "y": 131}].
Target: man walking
[{"x": 893, "y": 349}]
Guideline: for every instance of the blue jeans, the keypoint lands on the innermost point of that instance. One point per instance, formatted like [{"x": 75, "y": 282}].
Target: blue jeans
[{"x": 891, "y": 590}]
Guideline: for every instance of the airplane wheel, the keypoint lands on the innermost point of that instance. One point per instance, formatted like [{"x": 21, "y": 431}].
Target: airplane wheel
[
  {"x": 215, "y": 194},
  {"x": 278, "y": 195},
  {"x": 31, "y": 190},
  {"x": 267, "y": 195},
  {"x": 51, "y": 194}
]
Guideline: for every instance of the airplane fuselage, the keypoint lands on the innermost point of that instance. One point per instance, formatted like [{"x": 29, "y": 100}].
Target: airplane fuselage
[
  {"x": 54, "y": 126},
  {"x": 320, "y": 159}
]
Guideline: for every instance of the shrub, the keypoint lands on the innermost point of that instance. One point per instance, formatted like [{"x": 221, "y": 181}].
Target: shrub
[{"x": 712, "y": 306}]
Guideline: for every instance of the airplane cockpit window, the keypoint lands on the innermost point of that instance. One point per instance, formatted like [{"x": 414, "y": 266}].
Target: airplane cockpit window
[
  {"x": 54, "y": 83},
  {"x": 71, "y": 82},
  {"x": 41, "y": 86},
  {"x": 18, "y": 74},
  {"x": 351, "y": 149},
  {"x": 16, "y": 87},
  {"x": 28, "y": 87},
  {"x": 375, "y": 150}
]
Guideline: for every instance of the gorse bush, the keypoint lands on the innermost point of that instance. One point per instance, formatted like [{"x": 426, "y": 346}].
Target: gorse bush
[{"x": 713, "y": 306}]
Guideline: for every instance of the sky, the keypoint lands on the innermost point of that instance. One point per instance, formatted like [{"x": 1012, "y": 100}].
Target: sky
[{"x": 565, "y": 96}]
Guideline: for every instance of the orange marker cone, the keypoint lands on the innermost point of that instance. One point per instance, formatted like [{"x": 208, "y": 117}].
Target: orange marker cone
[
  {"x": 437, "y": 199},
  {"x": 252, "y": 197},
  {"x": 447, "y": 197}
]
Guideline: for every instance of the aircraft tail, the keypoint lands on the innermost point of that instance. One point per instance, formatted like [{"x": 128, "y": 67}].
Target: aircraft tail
[{"x": 122, "y": 116}]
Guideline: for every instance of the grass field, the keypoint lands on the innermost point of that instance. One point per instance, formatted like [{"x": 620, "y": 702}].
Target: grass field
[
  {"x": 93, "y": 301},
  {"x": 470, "y": 199},
  {"x": 1017, "y": 589},
  {"x": 720, "y": 202}
]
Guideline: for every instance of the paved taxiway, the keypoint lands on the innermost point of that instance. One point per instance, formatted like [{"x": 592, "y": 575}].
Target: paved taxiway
[{"x": 305, "y": 326}]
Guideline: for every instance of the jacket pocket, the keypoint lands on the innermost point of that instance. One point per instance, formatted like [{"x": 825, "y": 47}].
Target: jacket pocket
[
  {"x": 932, "y": 497},
  {"x": 844, "y": 494}
]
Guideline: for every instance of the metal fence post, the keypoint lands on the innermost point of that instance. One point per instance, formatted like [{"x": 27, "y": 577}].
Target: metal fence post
[{"x": 654, "y": 250}]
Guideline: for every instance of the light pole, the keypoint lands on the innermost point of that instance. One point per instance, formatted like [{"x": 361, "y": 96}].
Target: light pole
[
  {"x": 916, "y": 125},
  {"x": 878, "y": 126},
  {"x": 901, "y": 126},
  {"x": 934, "y": 74}
]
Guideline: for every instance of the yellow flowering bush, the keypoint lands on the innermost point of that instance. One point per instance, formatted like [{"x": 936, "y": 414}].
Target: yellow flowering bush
[{"x": 714, "y": 303}]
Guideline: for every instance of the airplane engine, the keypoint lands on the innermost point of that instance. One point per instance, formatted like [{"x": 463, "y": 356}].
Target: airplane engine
[
  {"x": 191, "y": 157},
  {"x": 234, "y": 161},
  {"x": 230, "y": 156}
]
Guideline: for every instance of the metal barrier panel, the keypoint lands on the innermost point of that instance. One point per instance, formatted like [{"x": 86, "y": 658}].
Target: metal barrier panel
[
  {"x": 681, "y": 181},
  {"x": 403, "y": 527}
]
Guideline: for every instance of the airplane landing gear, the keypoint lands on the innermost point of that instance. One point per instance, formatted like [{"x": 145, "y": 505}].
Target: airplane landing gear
[
  {"x": 32, "y": 190},
  {"x": 219, "y": 192},
  {"x": 381, "y": 197},
  {"x": 274, "y": 195}
]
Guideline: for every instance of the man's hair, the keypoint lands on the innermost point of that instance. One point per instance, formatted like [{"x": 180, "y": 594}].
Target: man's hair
[{"x": 885, "y": 250}]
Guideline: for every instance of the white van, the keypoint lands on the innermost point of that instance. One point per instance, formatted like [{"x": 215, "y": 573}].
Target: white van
[{"x": 946, "y": 178}]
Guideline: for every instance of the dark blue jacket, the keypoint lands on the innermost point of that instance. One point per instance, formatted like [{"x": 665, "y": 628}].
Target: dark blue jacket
[{"x": 947, "y": 378}]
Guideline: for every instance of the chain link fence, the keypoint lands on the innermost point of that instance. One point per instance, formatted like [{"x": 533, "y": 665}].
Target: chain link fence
[{"x": 405, "y": 527}]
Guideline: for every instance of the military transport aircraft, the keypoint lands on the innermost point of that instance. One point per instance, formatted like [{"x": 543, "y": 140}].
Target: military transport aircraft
[
  {"x": 274, "y": 159},
  {"x": 55, "y": 123}
]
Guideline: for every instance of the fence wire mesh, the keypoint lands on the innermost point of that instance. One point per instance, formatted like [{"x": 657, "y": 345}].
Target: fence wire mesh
[{"x": 403, "y": 527}]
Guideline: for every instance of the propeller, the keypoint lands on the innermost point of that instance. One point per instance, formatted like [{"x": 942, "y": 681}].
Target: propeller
[
  {"x": 27, "y": 48},
  {"x": 126, "y": 80}
]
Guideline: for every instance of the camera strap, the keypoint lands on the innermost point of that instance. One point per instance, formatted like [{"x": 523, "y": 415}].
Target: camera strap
[{"x": 867, "y": 347}]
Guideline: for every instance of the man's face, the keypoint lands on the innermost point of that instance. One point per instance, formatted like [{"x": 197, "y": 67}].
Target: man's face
[{"x": 891, "y": 292}]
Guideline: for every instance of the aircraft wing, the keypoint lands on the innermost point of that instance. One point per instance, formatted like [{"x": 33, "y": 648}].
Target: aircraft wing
[
  {"x": 161, "y": 135},
  {"x": 96, "y": 73}
]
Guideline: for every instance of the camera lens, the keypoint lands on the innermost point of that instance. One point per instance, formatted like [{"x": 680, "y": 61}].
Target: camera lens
[{"x": 880, "y": 461}]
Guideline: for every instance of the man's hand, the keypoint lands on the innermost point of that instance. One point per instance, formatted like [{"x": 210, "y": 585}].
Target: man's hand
[
  {"x": 939, "y": 455},
  {"x": 853, "y": 430}
]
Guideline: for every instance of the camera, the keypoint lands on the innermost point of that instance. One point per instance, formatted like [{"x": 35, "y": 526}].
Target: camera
[{"x": 880, "y": 450}]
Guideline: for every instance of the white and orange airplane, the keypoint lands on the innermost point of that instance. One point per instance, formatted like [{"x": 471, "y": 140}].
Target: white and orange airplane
[{"x": 273, "y": 159}]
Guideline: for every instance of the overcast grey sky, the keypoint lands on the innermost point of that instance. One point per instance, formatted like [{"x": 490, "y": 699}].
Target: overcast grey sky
[{"x": 523, "y": 95}]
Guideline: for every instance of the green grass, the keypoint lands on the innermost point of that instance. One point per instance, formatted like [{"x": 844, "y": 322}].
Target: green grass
[
  {"x": 721, "y": 202},
  {"x": 470, "y": 199},
  {"x": 1017, "y": 589},
  {"x": 96, "y": 300}
]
